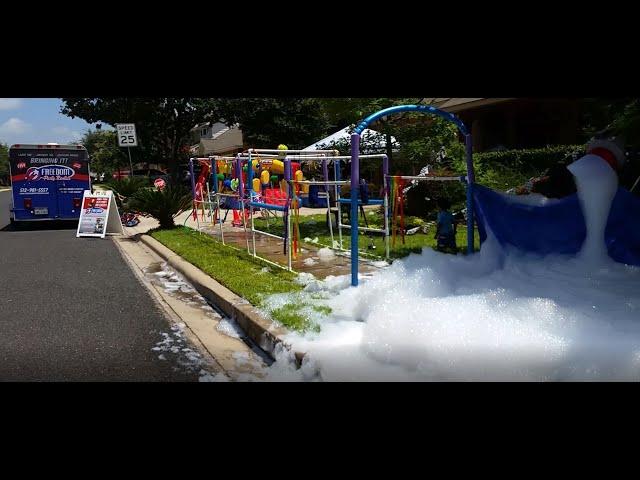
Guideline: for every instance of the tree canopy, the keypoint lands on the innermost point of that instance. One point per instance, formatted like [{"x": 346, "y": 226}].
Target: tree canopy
[
  {"x": 102, "y": 146},
  {"x": 268, "y": 122},
  {"x": 162, "y": 124},
  {"x": 4, "y": 162}
]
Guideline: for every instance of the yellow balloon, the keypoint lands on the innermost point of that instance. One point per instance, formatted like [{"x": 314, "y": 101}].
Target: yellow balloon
[
  {"x": 256, "y": 184},
  {"x": 299, "y": 176},
  {"x": 223, "y": 167},
  {"x": 265, "y": 177},
  {"x": 283, "y": 149}
]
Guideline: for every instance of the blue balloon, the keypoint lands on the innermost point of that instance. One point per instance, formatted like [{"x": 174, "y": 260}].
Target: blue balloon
[{"x": 227, "y": 183}]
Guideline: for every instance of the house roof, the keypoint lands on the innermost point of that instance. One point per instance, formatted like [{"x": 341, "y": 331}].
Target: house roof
[
  {"x": 454, "y": 105},
  {"x": 225, "y": 140}
]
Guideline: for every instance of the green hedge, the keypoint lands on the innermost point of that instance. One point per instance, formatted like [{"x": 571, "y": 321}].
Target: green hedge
[
  {"x": 510, "y": 168},
  {"x": 539, "y": 157}
]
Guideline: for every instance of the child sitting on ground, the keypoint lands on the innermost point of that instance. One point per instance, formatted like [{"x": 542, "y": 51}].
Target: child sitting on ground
[{"x": 445, "y": 230}]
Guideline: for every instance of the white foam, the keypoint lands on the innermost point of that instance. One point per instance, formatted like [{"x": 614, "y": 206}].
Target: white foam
[
  {"x": 326, "y": 254},
  {"x": 229, "y": 327},
  {"x": 533, "y": 199},
  {"x": 597, "y": 184},
  {"x": 497, "y": 315}
]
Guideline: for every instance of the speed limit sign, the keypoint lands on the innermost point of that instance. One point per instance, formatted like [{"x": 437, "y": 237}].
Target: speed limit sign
[{"x": 127, "y": 135}]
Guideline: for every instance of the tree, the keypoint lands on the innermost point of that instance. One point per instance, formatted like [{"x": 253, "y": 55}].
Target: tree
[
  {"x": 104, "y": 153},
  {"x": 4, "y": 164},
  {"x": 162, "y": 124},
  {"x": 615, "y": 116},
  {"x": 423, "y": 139},
  {"x": 268, "y": 122}
]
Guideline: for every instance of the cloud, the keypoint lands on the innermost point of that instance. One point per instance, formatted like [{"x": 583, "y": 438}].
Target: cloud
[
  {"x": 65, "y": 134},
  {"x": 14, "y": 126},
  {"x": 10, "y": 103},
  {"x": 61, "y": 130}
]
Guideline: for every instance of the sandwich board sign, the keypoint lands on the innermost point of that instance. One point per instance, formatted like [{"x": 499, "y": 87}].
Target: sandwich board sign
[
  {"x": 127, "y": 135},
  {"x": 99, "y": 215}
]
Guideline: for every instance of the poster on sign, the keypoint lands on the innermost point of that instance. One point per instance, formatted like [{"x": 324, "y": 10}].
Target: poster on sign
[{"x": 99, "y": 215}]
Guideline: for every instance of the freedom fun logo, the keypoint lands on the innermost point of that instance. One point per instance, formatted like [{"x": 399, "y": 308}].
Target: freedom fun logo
[{"x": 49, "y": 172}]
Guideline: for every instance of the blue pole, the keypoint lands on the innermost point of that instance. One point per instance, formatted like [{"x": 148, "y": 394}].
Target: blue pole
[
  {"x": 470, "y": 181},
  {"x": 355, "y": 182},
  {"x": 411, "y": 108}
]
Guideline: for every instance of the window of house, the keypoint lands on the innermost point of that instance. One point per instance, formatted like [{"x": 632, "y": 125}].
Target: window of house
[{"x": 203, "y": 132}]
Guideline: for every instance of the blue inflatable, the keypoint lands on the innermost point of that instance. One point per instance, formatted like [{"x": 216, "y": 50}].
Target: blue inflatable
[{"x": 559, "y": 227}]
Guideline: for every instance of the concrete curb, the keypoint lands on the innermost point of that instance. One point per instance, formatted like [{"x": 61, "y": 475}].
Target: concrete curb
[{"x": 261, "y": 330}]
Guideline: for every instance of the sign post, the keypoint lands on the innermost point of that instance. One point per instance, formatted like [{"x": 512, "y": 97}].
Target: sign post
[
  {"x": 99, "y": 215},
  {"x": 127, "y": 138}
]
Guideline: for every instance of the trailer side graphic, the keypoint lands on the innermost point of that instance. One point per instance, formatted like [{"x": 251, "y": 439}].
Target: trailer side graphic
[{"x": 48, "y": 181}]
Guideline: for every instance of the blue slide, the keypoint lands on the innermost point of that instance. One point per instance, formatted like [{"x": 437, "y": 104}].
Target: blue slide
[{"x": 558, "y": 228}]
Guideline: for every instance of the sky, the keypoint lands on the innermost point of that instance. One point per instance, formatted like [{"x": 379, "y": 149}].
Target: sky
[{"x": 38, "y": 120}]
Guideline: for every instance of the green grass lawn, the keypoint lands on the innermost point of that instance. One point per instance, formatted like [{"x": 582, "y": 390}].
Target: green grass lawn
[
  {"x": 255, "y": 280},
  {"x": 239, "y": 272},
  {"x": 315, "y": 226}
]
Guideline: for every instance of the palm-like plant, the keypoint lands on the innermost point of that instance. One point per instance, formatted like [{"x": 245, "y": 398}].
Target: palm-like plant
[
  {"x": 163, "y": 205},
  {"x": 126, "y": 188}
]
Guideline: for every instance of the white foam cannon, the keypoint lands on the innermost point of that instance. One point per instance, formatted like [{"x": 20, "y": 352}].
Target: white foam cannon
[{"x": 597, "y": 184}]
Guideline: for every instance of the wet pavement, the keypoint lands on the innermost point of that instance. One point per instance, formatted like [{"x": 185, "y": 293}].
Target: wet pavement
[
  {"x": 72, "y": 310},
  {"x": 238, "y": 355}
]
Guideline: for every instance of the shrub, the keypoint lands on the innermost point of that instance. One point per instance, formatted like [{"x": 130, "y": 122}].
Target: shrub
[
  {"x": 163, "y": 204},
  {"x": 497, "y": 170},
  {"x": 510, "y": 168},
  {"x": 126, "y": 188}
]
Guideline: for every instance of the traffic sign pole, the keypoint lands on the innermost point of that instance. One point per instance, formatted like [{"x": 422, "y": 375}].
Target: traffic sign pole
[
  {"x": 130, "y": 162},
  {"x": 127, "y": 138}
]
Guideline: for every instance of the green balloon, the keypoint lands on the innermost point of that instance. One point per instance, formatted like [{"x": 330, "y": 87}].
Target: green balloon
[
  {"x": 220, "y": 177},
  {"x": 274, "y": 178}
]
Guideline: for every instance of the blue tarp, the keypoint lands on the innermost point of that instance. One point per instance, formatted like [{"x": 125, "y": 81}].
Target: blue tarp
[{"x": 558, "y": 227}]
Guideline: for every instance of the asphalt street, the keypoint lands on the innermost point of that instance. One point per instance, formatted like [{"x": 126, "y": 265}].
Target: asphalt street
[{"x": 72, "y": 310}]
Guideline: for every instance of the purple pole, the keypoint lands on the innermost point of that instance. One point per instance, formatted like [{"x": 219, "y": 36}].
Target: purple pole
[
  {"x": 385, "y": 180},
  {"x": 239, "y": 177},
  {"x": 355, "y": 182},
  {"x": 325, "y": 174},
  {"x": 193, "y": 182},
  {"x": 287, "y": 178}
]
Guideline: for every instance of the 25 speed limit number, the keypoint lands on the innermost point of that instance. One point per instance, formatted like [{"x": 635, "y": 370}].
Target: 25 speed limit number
[{"x": 127, "y": 135}]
